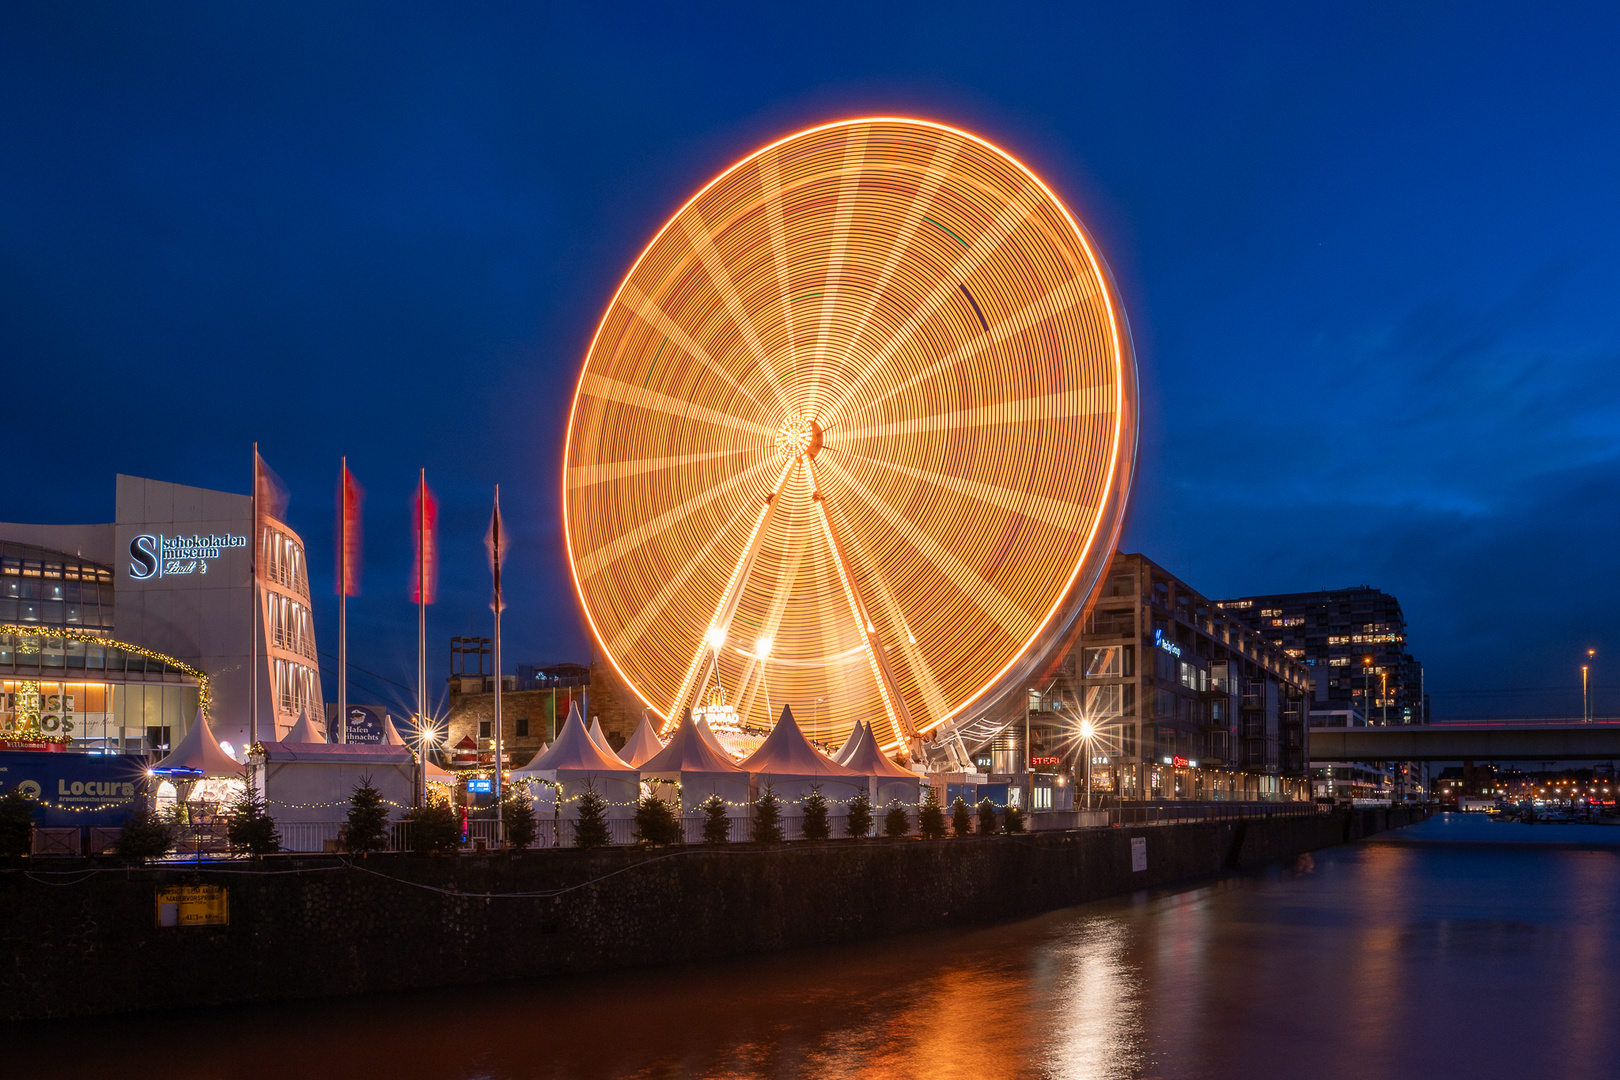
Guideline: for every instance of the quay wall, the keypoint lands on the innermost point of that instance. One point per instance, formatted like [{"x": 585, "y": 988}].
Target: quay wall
[{"x": 305, "y": 927}]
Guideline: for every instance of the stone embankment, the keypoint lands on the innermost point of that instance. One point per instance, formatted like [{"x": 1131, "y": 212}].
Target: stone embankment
[{"x": 78, "y": 939}]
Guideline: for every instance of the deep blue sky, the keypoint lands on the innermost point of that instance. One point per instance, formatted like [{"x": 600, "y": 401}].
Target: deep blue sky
[{"x": 1369, "y": 255}]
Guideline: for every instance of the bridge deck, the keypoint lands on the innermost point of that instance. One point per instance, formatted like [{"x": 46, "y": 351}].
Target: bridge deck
[{"x": 1458, "y": 742}]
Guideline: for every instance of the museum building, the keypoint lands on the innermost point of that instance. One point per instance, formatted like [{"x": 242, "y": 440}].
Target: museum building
[{"x": 113, "y": 635}]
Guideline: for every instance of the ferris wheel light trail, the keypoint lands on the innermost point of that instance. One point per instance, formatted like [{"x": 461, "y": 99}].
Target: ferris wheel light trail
[
  {"x": 715, "y": 636},
  {"x": 893, "y": 704},
  {"x": 909, "y": 313}
]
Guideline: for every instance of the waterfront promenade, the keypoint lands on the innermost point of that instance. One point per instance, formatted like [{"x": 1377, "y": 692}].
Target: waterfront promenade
[{"x": 1456, "y": 947}]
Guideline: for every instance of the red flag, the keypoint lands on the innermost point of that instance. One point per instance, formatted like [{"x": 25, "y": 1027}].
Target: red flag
[
  {"x": 271, "y": 492},
  {"x": 350, "y": 496},
  {"x": 496, "y": 542},
  {"x": 269, "y": 503},
  {"x": 425, "y": 571}
]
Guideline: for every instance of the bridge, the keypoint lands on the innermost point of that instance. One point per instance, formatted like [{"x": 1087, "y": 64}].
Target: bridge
[{"x": 1506, "y": 741}]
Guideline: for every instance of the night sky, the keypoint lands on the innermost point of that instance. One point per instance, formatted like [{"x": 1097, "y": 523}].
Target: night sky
[{"x": 1368, "y": 253}]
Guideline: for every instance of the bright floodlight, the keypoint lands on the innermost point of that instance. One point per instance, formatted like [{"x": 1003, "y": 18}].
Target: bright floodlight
[
  {"x": 716, "y": 636},
  {"x": 762, "y": 647},
  {"x": 1087, "y": 729}
]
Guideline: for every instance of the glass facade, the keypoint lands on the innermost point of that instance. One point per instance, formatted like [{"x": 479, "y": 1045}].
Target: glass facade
[{"x": 53, "y": 588}]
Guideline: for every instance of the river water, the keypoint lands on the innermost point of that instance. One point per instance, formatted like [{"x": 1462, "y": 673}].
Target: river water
[{"x": 1457, "y": 948}]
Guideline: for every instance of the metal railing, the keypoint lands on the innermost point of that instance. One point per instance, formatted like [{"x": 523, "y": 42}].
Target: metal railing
[{"x": 1173, "y": 813}]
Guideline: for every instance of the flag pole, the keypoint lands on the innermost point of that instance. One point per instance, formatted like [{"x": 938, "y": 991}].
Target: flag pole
[
  {"x": 421, "y": 632},
  {"x": 495, "y": 535},
  {"x": 253, "y": 608},
  {"x": 343, "y": 604}
]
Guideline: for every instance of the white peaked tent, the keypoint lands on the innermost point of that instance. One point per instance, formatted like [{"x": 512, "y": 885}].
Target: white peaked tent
[
  {"x": 889, "y": 781},
  {"x": 708, "y": 736},
  {"x": 850, "y": 743},
  {"x": 198, "y": 756},
  {"x": 304, "y": 731},
  {"x": 599, "y": 737},
  {"x": 577, "y": 763},
  {"x": 391, "y": 736},
  {"x": 643, "y": 745},
  {"x": 700, "y": 769},
  {"x": 791, "y": 767}
]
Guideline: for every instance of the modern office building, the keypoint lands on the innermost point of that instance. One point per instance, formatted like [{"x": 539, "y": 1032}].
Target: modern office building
[
  {"x": 1188, "y": 703},
  {"x": 1354, "y": 640},
  {"x": 130, "y": 625}
]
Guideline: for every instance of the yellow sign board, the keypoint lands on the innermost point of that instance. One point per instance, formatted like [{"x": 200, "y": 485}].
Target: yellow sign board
[{"x": 193, "y": 905}]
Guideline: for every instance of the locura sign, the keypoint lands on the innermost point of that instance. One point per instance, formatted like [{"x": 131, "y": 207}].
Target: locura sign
[{"x": 153, "y": 555}]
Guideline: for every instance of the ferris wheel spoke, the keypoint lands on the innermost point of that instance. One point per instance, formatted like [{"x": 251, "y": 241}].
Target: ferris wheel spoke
[
  {"x": 1068, "y": 295},
  {"x": 729, "y": 597},
  {"x": 658, "y": 319},
  {"x": 1007, "y": 221},
  {"x": 593, "y": 562},
  {"x": 927, "y": 683},
  {"x": 702, "y": 241},
  {"x": 644, "y": 617},
  {"x": 985, "y": 596},
  {"x": 854, "y": 154},
  {"x": 619, "y": 392},
  {"x": 785, "y": 583},
  {"x": 1070, "y": 517},
  {"x": 894, "y": 704},
  {"x": 580, "y": 476},
  {"x": 1075, "y": 404},
  {"x": 770, "y": 183},
  {"x": 932, "y": 178}
]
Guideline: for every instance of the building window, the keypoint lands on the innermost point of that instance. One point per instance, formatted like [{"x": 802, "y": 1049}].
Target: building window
[
  {"x": 1103, "y": 702},
  {"x": 483, "y": 729},
  {"x": 1106, "y": 662},
  {"x": 523, "y": 725}
]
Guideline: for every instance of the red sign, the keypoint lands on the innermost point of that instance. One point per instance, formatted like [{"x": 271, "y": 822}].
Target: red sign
[
  {"x": 1043, "y": 761},
  {"x": 43, "y": 745},
  {"x": 1179, "y": 762}
]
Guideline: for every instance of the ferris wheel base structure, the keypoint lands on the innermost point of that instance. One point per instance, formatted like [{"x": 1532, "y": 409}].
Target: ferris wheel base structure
[{"x": 855, "y": 434}]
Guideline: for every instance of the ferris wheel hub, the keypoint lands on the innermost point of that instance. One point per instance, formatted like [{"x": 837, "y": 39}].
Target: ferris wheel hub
[{"x": 798, "y": 436}]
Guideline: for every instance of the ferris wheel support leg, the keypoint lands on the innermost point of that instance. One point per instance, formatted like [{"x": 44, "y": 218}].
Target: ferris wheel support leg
[
  {"x": 905, "y": 732},
  {"x": 721, "y": 623}
]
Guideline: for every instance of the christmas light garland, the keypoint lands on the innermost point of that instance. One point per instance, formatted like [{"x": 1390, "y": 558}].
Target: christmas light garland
[{"x": 204, "y": 699}]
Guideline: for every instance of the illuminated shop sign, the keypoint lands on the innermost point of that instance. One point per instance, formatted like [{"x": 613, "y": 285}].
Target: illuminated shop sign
[
  {"x": 1165, "y": 643},
  {"x": 1180, "y": 762},
  {"x": 1043, "y": 761},
  {"x": 155, "y": 555},
  {"x": 480, "y": 785}
]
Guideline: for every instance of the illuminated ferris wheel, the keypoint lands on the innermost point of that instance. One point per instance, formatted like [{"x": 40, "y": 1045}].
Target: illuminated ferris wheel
[{"x": 855, "y": 434}]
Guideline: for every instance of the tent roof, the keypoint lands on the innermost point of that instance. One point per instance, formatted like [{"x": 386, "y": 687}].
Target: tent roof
[
  {"x": 438, "y": 775},
  {"x": 574, "y": 750},
  {"x": 304, "y": 731},
  {"x": 868, "y": 760},
  {"x": 390, "y": 733},
  {"x": 850, "y": 743},
  {"x": 599, "y": 737},
  {"x": 713, "y": 740},
  {"x": 786, "y": 752},
  {"x": 337, "y": 753},
  {"x": 643, "y": 745},
  {"x": 689, "y": 751},
  {"x": 198, "y": 753}
]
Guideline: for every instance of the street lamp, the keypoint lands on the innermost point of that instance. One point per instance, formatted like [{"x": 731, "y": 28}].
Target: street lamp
[
  {"x": 1088, "y": 732},
  {"x": 1586, "y": 708}
]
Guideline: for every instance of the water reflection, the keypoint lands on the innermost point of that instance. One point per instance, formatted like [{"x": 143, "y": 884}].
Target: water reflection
[{"x": 1379, "y": 959}]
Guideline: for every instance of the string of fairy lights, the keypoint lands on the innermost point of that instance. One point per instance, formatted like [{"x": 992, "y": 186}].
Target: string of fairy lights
[{"x": 915, "y": 311}]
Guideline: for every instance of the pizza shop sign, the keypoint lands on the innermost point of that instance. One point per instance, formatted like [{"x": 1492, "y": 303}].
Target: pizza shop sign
[{"x": 153, "y": 555}]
